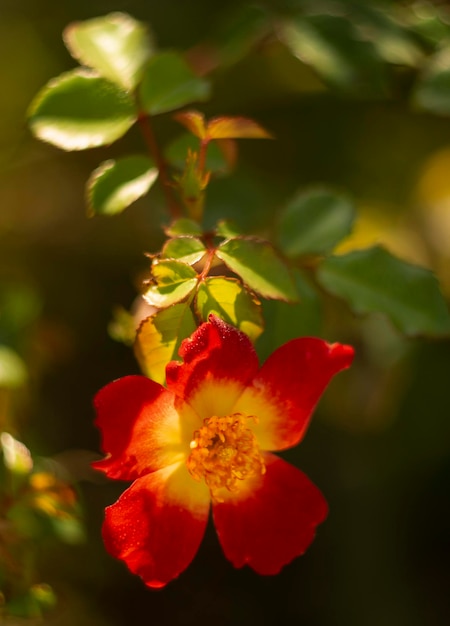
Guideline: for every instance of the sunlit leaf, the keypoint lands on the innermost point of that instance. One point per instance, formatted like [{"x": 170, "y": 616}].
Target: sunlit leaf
[
  {"x": 16, "y": 456},
  {"x": 169, "y": 83},
  {"x": 229, "y": 300},
  {"x": 373, "y": 280},
  {"x": 432, "y": 91},
  {"x": 186, "y": 249},
  {"x": 116, "y": 45},
  {"x": 114, "y": 185},
  {"x": 257, "y": 263},
  {"x": 13, "y": 371},
  {"x": 194, "y": 121},
  {"x": 174, "y": 281},
  {"x": 235, "y": 128},
  {"x": 159, "y": 338},
  {"x": 314, "y": 222},
  {"x": 183, "y": 226},
  {"x": 79, "y": 110}
]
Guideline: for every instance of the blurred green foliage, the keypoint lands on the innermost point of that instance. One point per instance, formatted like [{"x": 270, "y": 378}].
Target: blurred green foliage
[{"x": 356, "y": 95}]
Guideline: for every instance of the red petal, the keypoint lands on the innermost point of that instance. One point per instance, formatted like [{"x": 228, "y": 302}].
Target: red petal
[
  {"x": 140, "y": 428},
  {"x": 275, "y": 523},
  {"x": 157, "y": 524},
  {"x": 219, "y": 361},
  {"x": 286, "y": 390}
]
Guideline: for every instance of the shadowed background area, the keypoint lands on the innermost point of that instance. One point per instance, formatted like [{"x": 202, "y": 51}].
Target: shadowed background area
[{"x": 344, "y": 116}]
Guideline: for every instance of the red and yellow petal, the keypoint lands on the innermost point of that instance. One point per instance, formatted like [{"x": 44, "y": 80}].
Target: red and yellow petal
[
  {"x": 157, "y": 524},
  {"x": 286, "y": 390},
  {"x": 274, "y": 523},
  {"x": 140, "y": 427},
  {"x": 219, "y": 361}
]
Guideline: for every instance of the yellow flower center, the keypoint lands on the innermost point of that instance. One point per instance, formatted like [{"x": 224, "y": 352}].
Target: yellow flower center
[{"x": 223, "y": 452}]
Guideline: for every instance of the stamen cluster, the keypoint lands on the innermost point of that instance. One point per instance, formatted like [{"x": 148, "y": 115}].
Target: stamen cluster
[{"x": 224, "y": 452}]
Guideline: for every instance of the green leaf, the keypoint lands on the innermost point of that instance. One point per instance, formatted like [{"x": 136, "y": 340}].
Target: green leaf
[
  {"x": 314, "y": 222},
  {"x": 79, "y": 110},
  {"x": 285, "y": 320},
  {"x": 116, "y": 45},
  {"x": 373, "y": 280},
  {"x": 174, "y": 281},
  {"x": 229, "y": 300},
  {"x": 332, "y": 45},
  {"x": 13, "y": 371},
  {"x": 159, "y": 338},
  {"x": 169, "y": 84},
  {"x": 237, "y": 35},
  {"x": 186, "y": 249},
  {"x": 258, "y": 265},
  {"x": 432, "y": 91},
  {"x": 227, "y": 229},
  {"x": 183, "y": 226},
  {"x": 114, "y": 185}
]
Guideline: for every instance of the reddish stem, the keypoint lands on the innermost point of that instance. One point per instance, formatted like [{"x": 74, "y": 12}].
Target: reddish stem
[
  {"x": 202, "y": 155},
  {"x": 152, "y": 145}
]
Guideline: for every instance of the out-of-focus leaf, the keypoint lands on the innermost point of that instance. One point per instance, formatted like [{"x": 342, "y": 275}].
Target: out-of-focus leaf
[
  {"x": 429, "y": 22},
  {"x": 169, "y": 83},
  {"x": 116, "y": 45},
  {"x": 13, "y": 371},
  {"x": 159, "y": 338},
  {"x": 432, "y": 91},
  {"x": 183, "y": 226},
  {"x": 114, "y": 185},
  {"x": 333, "y": 47},
  {"x": 186, "y": 249},
  {"x": 79, "y": 110},
  {"x": 285, "y": 320},
  {"x": 258, "y": 265},
  {"x": 228, "y": 229},
  {"x": 194, "y": 121},
  {"x": 229, "y": 300},
  {"x": 385, "y": 29},
  {"x": 373, "y": 280},
  {"x": 235, "y": 128},
  {"x": 20, "y": 305},
  {"x": 216, "y": 158},
  {"x": 314, "y": 222},
  {"x": 174, "y": 281},
  {"x": 223, "y": 127},
  {"x": 238, "y": 34},
  {"x": 122, "y": 326},
  {"x": 16, "y": 456}
]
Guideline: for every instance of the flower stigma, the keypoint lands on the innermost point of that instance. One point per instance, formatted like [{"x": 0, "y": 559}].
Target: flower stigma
[{"x": 224, "y": 451}]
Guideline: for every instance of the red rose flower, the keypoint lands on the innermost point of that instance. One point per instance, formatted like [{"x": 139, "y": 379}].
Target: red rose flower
[{"x": 208, "y": 439}]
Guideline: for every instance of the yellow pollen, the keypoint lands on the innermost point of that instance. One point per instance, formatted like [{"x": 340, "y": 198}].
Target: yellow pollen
[{"x": 223, "y": 452}]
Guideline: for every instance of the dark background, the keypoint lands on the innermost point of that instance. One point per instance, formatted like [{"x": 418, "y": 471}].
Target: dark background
[{"x": 379, "y": 446}]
